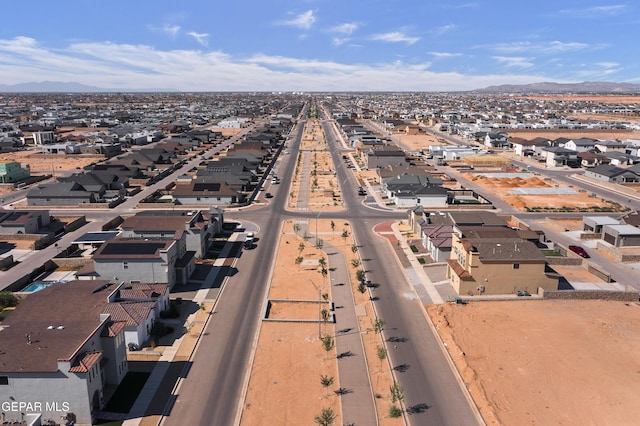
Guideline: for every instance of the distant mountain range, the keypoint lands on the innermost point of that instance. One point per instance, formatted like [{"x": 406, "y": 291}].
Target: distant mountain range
[
  {"x": 548, "y": 87},
  {"x": 585, "y": 87},
  {"x": 67, "y": 87}
]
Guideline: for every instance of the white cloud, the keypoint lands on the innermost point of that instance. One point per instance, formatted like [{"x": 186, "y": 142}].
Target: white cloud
[
  {"x": 304, "y": 21},
  {"x": 339, "y": 41},
  {"x": 171, "y": 30},
  {"x": 347, "y": 28},
  {"x": 444, "y": 29},
  {"x": 551, "y": 47},
  {"x": 595, "y": 11},
  {"x": 395, "y": 37},
  {"x": 127, "y": 66},
  {"x": 514, "y": 61},
  {"x": 444, "y": 54},
  {"x": 201, "y": 38}
]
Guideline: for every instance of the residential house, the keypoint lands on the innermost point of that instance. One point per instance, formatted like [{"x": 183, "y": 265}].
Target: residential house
[
  {"x": 200, "y": 192},
  {"x": 611, "y": 146},
  {"x": 488, "y": 266},
  {"x": 12, "y": 171},
  {"x": 632, "y": 218},
  {"x": 59, "y": 349},
  {"x": 62, "y": 194},
  {"x": 617, "y": 158},
  {"x": 384, "y": 157},
  {"x": 590, "y": 159},
  {"x": 23, "y": 221},
  {"x": 529, "y": 148},
  {"x": 581, "y": 144},
  {"x": 556, "y": 156},
  {"x": 594, "y": 224},
  {"x": 161, "y": 260},
  {"x": 498, "y": 140},
  {"x": 609, "y": 173},
  {"x": 198, "y": 227},
  {"x": 436, "y": 239},
  {"x": 621, "y": 235},
  {"x": 430, "y": 196}
]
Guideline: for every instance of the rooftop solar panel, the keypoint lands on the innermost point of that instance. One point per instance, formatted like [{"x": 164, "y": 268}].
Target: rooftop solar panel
[{"x": 132, "y": 248}]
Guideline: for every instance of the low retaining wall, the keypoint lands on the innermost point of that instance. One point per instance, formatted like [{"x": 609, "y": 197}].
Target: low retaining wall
[
  {"x": 620, "y": 254},
  {"x": 623, "y": 296}
]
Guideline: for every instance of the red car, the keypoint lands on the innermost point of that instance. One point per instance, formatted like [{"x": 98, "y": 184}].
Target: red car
[{"x": 579, "y": 251}]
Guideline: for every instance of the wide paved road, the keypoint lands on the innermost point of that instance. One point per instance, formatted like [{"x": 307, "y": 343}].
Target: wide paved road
[{"x": 211, "y": 392}]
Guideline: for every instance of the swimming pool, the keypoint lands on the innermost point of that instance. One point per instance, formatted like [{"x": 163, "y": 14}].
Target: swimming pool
[{"x": 38, "y": 285}]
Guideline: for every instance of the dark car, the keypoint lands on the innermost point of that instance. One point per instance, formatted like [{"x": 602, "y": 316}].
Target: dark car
[
  {"x": 268, "y": 195},
  {"x": 579, "y": 251}
]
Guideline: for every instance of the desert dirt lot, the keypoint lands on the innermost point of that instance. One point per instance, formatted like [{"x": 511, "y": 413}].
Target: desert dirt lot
[
  {"x": 580, "y": 201},
  {"x": 547, "y": 362},
  {"x": 284, "y": 386},
  {"x": 47, "y": 164}
]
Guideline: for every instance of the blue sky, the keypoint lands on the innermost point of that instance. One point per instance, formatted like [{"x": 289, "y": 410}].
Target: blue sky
[{"x": 318, "y": 45}]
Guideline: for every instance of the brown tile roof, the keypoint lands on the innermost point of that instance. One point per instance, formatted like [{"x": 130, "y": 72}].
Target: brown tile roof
[
  {"x": 457, "y": 269},
  {"x": 132, "y": 313},
  {"x": 143, "y": 290},
  {"x": 113, "y": 328},
  {"x": 58, "y": 320},
  {"x": 83, "y": 363}
]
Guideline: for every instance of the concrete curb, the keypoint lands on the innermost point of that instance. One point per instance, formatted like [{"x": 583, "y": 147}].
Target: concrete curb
[{"x": 443, "y": 348}]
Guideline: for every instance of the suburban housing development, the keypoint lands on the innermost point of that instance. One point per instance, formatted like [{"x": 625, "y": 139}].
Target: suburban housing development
[{"x": 135, "y": 234}]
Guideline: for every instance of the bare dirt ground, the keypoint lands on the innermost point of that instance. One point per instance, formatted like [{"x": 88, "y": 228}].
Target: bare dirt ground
[
  {"x": 417, "y": 142},
  {"x": 574, "y": 134},
  {"x": 40, "y": 164},
  {"x": 580, "y": 201},
  {"x": 44, "y": 164},
  {"x": 284, "y": 386},
  {"x": 226, "y": 131},
  {"x": 325, "y": 193},
  {"x": 547, "y": 362}
]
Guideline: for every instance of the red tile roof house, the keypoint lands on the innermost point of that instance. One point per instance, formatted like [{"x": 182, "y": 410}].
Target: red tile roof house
[
  {"x": 138, "y": 305},
  {"x": 60, "y": 353}
]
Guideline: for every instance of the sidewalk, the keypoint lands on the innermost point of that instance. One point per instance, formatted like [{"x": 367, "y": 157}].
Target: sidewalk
[
  {"x": 158, "y": 374},
  {"x": 358, "y": 406},
  {"x": 415, "y": 272}
]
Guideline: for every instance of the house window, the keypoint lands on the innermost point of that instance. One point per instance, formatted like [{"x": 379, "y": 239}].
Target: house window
[
  {"x": 125, "y": 264},
  {"x": 516, "y": 266},
  {"x": 4, "y": 380}
]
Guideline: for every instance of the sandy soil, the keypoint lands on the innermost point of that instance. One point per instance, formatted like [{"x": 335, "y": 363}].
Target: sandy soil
[
  {"x": 574, "y": 134},
  {"x": 547, "y": 362},
  {"x": 417, "y": 142},
  {"x": 580, "y": 201},
  {"x": 284, "y": 386},
  {"x": 226, "y": 131},
  {"x": 44, "y": 164},
  {"x": 324, "y": 189}
]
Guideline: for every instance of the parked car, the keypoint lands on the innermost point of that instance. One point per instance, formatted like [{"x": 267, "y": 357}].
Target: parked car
[
  {"x": 268, "y": 195},
  {"x": 361, "y": 191},
  {"x": 579, "y": 251}
]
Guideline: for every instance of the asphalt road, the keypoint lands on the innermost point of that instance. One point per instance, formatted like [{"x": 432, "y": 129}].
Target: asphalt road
[
  {"x": 216, "y": 380},
  {"x": 218, "y": 374}
]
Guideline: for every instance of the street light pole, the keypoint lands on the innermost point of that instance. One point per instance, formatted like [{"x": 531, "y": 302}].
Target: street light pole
[
  {"x": 319, "y": 306},
  {"x": 319, "y": 313}
]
